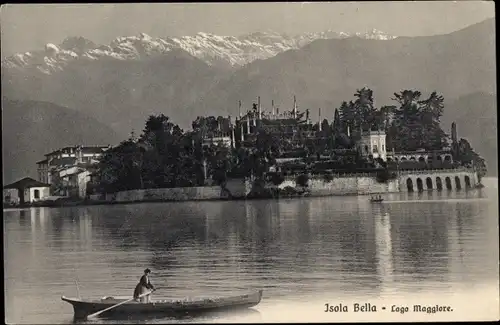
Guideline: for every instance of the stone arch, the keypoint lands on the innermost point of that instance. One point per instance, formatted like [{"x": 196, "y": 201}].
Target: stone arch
[
  {"x": 447, "y": 158},
  {"x": 421, "y": 159},
  {"x": 448, "y": 183},
  {"x": 389, "y": 159},
  {"x": 458, "y": 185},
  {"x": 396, "y": 159},
  {"x": 428, "y": 182},
  {"x": 467, "y": 181},
  {"x": 409, "y": 185},
  {"x": 413, "y": 158},
  {"x": 404, "y": 159},
  {"x": 439, "y": 183},
  {"x": 420, "y": 185},
  {"x": 439, "y": 158}
]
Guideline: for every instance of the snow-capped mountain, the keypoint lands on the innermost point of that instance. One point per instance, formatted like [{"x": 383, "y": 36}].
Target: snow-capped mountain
[{"x": 213, "y": 49}]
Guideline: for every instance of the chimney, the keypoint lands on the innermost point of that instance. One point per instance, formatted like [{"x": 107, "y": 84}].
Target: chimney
[
  {"x": 239, "y": 108},
  {"x": 242, "y": 133},
  {"x": 248, "y": 124},
  {"x": 272, "y": 104},
  {"x": 348, "y": 131}
]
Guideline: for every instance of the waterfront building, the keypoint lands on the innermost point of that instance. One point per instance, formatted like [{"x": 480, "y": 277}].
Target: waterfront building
[
  {"x": 26, "y": 190},
  {"x": 292, "y": 126},
  {"x": 69, "y": 169},
  {"x": 223, "y": 138},
  {"x": 372, "y": 145}
]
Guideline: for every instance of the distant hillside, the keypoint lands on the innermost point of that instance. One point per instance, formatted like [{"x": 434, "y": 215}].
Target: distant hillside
[
  {"x": 476, "y": 118},
  {"x": 119, "y": 93},
  {"x": 31, "y": 129},
  {"x": 326, "y": 72}
]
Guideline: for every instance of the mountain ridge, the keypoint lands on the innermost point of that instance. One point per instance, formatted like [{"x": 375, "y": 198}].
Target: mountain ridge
[
  {"x": 321, "y": 74},
  {"x": 213, "y": 49},
  {"x": 324, "y": 73}
]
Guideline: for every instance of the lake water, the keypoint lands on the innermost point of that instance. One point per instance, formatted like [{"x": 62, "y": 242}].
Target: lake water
[{"x": 428, "y": 248}]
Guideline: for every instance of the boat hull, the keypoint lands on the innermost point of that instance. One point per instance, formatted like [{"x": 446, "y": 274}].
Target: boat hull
[{"x": 83, "y": 308}]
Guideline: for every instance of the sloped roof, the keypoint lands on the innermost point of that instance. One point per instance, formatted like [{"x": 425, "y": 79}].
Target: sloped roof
[
  {"x": 85, "y": 149},
  {"x": 26, "y": 182},
  {"x": 65, "y": 161},
  {"x": 96, "y": 149}
]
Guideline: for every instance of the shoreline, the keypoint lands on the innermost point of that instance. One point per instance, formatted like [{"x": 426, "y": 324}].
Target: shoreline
[
  {"x": 104, "y": 202},
  {"x": 249, "y": 198},
  {"x": 261, "y": 193}
]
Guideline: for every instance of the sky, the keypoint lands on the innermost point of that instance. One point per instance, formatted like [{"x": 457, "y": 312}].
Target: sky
[{"x": 26, "y": 27}]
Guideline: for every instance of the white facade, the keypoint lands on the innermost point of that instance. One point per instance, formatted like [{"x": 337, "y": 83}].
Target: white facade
[
  {"x": 70, "y": 165},
  {"x": 77, "y": 179},
  {"x": 83, "y": 179},
  {"x": 373, "y": 143},
  {"x": 34, "y": 194},
  {"x": 226, "y": 141}
]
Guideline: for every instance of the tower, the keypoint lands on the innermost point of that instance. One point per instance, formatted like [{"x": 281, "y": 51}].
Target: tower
[
  {"x": 373, "y": 143},
  {"x": 294, "y": 107},
  {"x": 260, "y": 110},
  {"x": 454, "y": 142},
  {"x": 453, "y": 133},
  {"x": 319, "y": 118}
]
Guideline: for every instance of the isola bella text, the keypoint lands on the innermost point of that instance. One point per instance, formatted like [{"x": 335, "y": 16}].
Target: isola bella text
[{"x": 368, "y": 307}]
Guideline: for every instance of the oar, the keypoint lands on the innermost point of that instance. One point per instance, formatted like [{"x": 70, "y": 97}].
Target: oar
[{"x": 121, "y": 303}]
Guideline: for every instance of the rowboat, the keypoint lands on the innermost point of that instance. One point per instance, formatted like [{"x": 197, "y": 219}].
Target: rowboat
[
  {"x": 373, "y": 200},
  {"x": 171, "y": 307}
]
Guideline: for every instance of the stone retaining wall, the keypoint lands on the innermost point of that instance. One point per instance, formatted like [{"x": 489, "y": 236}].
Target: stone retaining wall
[
  {"x": 167, "y": 194},
  {"x": 349, "y": 184},
  {"x": 345, "y": 185}
]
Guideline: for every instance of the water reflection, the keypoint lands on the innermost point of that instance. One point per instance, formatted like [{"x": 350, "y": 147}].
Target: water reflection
[
  {"x": 294, "y": 249},
  {"x": 384, "y": 252},
  {"x": 239, "y": 315}
]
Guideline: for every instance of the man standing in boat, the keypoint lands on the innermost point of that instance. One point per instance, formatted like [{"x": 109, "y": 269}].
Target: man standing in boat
[{"x": 144, "y": 286}]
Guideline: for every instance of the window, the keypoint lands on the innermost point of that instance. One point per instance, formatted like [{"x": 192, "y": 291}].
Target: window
[
  {"x": 375, "y": 148},
  {"x": 366, "y": 148},
  {"x": 36, "y": 194},
  {"x": 383, "y": 148}
]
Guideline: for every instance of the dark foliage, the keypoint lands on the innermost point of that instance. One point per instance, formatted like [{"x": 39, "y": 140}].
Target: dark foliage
[{"x": 303, "y": 180}]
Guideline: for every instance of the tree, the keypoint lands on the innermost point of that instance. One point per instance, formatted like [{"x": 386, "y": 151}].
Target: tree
[
  {"x": 387, "y": 115},
  {"x": 325, "y": 127},
  {"x": 119, "y": 169},
  {"x": 431, "y": 110},
  {"x": 347, "y": 116},
  {"x": 468, "y": 156},
  {"x": 364, "y": 109},
  {"x": 416, "y": 122}
]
